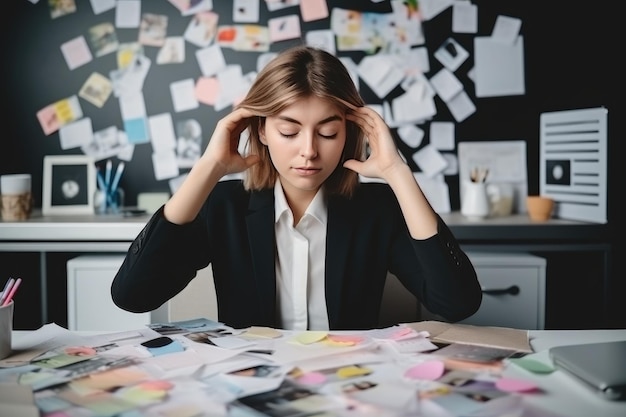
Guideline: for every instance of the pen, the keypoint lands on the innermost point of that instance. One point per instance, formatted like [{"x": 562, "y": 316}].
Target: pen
[
  {"x": 118, "y": 175},
  {"x": 8, "y": 299},
  {"x": 107, "y": 178},
  {"x": 101, "y": 182},
  {"x": 6, "y": 290}
]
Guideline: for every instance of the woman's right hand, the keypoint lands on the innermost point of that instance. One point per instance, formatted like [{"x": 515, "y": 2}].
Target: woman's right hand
[{"x": 223, "y": 147}]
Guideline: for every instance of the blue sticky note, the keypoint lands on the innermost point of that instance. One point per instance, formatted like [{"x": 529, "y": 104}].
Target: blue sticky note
[{"x": 173, "y": 347}]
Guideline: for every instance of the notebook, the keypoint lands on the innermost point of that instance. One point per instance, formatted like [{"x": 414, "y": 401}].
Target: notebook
[{"x": 601, "y": 366}]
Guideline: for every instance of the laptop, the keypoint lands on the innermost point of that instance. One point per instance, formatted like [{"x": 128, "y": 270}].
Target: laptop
[{"x": 601, "y": 366}]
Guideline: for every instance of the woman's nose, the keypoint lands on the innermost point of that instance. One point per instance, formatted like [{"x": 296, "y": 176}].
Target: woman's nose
[{"x": 309, "y": 148}]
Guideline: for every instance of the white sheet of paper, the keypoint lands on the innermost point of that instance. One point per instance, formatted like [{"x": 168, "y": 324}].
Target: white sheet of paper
[
  {"x": 380, "y": 74},
  {"x": 464, "y": 17},
  {"x": 76, "y": 134},
  {"x": 236, "y": 86},
  {"x": 442, "y": 135},
  {"x": 431, "y": 8},
  {"x": 132, "y": 106},
  {"x": 446, "y": 84},
  {"x": 323, "y": 39},
  {"x": 461, "y": 106},
  {"x": 165, "y": 165},
  {"x": 183, "y": 95},
  {"x": 162, "y": 133},
  {"x": 413, "y": 106},
  {"x": 76, "y": 52},
  {"x": 411, "y": 135},
  {"x": 128, "y": 14},
  {"x": 506, "y": 29},
  {"x": 100, "y": 6},
  {"x": 430, "y": 161},
  {"x": 284, "y": 28},
  {"x": 246, "y": 11},
  {"x": 499, "y": 67},
  {"x": 451, "y": 54},
  {"x": 436, "y": 191},
  {"x": 418, "y": 58},
  {"x": 211, "y": 60},
  {"x": 453, "y": 163}
]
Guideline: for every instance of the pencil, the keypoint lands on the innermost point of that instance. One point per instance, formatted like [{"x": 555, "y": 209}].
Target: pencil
[{"x": 12, "y": 291}]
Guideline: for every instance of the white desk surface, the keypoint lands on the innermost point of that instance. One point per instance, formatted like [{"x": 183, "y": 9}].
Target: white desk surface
[{"x": 563, "y": 395}]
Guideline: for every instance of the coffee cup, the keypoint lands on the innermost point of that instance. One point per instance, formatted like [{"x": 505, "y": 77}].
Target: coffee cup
[{"x": 16, "y": 201}]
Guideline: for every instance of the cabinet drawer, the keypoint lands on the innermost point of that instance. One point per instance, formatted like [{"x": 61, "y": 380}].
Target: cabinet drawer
[
  {"x": 89, "y": 302},
  {"x": 513, "y": 290}
]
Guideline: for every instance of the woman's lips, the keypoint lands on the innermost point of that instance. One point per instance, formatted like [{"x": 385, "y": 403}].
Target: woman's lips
[{"x": 307, "y": 171}]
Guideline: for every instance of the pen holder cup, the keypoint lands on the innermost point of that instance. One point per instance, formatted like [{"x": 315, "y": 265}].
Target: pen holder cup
[
  {"x": 6, "y": 329},
  {"x": 108, "y": 203},
  {"x": 475, "y": 201}
]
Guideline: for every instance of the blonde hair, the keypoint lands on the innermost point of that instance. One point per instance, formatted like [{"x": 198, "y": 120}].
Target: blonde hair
[{"x": 296, "y": 73}]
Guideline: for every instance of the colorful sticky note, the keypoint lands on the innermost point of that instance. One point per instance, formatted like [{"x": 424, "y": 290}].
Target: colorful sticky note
[
  {"x": 308, "y": 337},
  {"x": 532, "y": 365},
  {"x": 515, "y": 385},
  {"x": 312, "y": 378},
  {"x": 352, "y": 371},
  {"x": 429, "y": 370}
]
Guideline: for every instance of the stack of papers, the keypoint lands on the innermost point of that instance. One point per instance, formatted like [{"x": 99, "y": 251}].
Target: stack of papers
[{"x": 186, "y": 368}]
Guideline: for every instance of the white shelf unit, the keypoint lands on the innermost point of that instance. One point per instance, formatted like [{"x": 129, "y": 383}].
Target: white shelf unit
[{"x": 90, "y": 307}]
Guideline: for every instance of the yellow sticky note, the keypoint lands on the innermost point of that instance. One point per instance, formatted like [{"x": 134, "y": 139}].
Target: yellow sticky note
[
  {"x": 308, "y": 337},
  {"x": 352, "y": 371}
]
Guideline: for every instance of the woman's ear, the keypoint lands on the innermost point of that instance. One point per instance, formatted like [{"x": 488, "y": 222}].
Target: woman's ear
[{"x": 262, "y": 134}]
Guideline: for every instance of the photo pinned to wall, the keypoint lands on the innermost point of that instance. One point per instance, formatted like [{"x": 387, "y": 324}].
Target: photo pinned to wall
[
  {"x": 103, "y": 39},
  {"x": 97, "y": 89},
  {"x": 60, "y": 8},
  {"x": 69, "y": 184},
  {"x": 188, "y": 142}
]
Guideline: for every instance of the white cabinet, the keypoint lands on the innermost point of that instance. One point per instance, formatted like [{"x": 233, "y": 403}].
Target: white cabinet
[
  {"x": 90, "y": 307},
  {"x": 513, "y": 290}
]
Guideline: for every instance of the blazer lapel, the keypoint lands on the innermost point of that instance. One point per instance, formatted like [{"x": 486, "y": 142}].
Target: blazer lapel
[
  {"x": 260, "y": 224},
  {"x": 339, "y": 232}
]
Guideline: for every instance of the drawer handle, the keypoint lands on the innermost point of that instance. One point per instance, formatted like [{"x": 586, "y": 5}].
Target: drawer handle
[{"x": 512, "y": 290}]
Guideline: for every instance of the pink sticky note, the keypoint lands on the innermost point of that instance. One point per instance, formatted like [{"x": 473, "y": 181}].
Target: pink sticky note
[
  {"x": 515, "y": 385},
  {"x": 430, "y": 370},
  {"x": 207, "y": 90},
  {"x": 313, "y": 10},
  {"x": 312, "y": 378}
]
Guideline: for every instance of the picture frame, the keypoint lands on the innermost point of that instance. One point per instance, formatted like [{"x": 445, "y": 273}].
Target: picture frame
[{"x": 69, "y": 184}]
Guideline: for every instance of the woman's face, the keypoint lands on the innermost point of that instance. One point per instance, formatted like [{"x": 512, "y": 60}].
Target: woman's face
[{"x": 305, "y": 142}]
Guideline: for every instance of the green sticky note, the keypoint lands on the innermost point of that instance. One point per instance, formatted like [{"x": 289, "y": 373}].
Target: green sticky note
[{"x": 532, "y": 365}]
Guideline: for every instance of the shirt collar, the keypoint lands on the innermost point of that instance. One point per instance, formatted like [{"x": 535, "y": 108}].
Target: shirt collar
[{"x": 318, "y": 208}]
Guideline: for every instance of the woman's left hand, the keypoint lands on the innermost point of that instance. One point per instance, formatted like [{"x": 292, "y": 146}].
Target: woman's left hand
[{"x": 384, "y": 156}]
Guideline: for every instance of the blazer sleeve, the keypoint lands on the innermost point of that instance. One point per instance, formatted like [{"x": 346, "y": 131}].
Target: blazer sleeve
[
  {"x": 159, "y": 264},
  {"x": 450, "y": 287}
]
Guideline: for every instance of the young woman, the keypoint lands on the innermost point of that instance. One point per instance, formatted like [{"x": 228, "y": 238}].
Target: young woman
[{"x": 300, "y": 243}]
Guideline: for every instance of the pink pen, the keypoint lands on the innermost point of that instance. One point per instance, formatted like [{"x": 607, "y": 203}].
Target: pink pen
[{"x": 9, "y": 297}]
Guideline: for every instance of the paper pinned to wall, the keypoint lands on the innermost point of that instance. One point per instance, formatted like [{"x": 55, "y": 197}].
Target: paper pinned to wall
[
  {"x": 573, "y": 163},
  {"x": 499, "y": 67}
]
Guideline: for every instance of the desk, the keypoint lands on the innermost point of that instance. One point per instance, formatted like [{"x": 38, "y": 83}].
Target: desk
[
  {"x": 563, "y": 395},
  {"x": 516, "y": 233}
]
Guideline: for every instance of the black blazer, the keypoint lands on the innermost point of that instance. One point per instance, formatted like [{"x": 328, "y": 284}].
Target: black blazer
[{"x": 234, "y": 232}]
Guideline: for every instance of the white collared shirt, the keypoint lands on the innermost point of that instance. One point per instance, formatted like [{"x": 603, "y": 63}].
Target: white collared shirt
[{"x": 300, "y": 264}]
